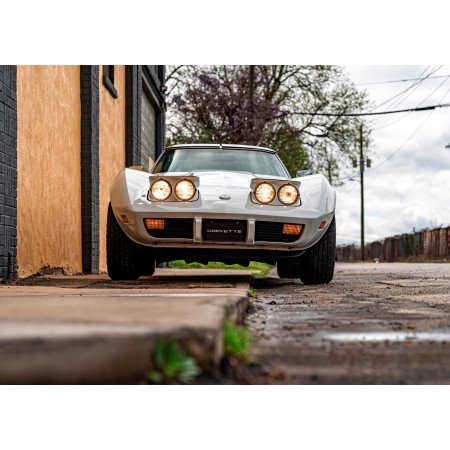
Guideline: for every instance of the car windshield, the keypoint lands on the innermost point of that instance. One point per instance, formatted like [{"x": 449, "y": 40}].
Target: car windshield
[{"x": 192, "y": 160}]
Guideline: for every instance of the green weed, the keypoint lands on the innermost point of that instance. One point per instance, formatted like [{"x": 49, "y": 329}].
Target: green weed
[
  {"x": 171, "y": 365},
  {"x": 237, "y": 341}
]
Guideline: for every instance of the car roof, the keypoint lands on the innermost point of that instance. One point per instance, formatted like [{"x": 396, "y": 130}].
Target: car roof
[{"x": 220, "y": 147}]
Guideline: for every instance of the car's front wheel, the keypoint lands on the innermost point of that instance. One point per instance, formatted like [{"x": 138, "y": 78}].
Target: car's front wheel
[
  {"x": 288, "y": 268},
  {"x": 125, "y": 259},
  {"x": 316, "y": 265}
]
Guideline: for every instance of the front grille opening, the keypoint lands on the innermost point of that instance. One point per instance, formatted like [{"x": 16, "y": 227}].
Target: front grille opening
[
  {"x": 170, "y": 228},
  {"x": 273, "y": 232}
]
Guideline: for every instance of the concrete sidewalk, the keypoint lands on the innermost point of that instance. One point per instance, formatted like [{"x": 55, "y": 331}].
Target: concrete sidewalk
[{"x": 89, "y": 329}]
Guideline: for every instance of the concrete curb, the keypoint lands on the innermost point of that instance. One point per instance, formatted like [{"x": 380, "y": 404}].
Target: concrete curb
[{"x": 35, "y": 350}]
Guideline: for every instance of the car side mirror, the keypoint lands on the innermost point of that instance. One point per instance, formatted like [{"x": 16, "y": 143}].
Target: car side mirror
[{"x": 303, "y": 173}]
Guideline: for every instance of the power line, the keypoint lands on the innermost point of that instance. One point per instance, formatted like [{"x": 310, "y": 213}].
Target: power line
[
  {"x": 413, "y": 133},
  {"x": 399, "y": 98},
  {"x": 412, "y": 86},
  {"x": 400, "y": 81},
  {"x": 404, "y": 143},
  {"x": 434, "y": 90},
  {"x": 421, "y": 103},
  {"x": 325, "y": 114}
]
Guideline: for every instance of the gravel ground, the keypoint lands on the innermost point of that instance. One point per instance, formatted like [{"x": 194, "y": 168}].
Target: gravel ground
[{"x": 374, "y": 324}]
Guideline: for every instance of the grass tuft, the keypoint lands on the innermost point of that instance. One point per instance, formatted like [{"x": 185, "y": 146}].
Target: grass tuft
[
  {"x": 171, "y": 365},
  {"x": 237, "y": 341},
  {"x": 259, "y": 269}
]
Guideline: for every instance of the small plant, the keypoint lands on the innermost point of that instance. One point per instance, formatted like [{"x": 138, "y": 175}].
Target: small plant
[
  {"x": 252, "y": 292},
  {"x": 237, "y": 341},
  {"x": 171, "y": 365},
  {"x": 259, "y": 270}
]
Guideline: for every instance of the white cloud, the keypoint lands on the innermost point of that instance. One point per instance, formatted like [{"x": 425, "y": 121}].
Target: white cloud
[{"x": 412, "y": 189}]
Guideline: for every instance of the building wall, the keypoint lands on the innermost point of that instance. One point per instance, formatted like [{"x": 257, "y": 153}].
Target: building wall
[
  {"x": 51, "y": 117},
  {"x": 49, "y": 182},
  {"x": 111, "y": 146},
  {"x": 148, "y": 133},
  {"x": 8, "y": 171}
]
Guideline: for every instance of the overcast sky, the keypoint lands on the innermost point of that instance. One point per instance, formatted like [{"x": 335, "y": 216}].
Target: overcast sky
[{"x": 412, "y": 188}]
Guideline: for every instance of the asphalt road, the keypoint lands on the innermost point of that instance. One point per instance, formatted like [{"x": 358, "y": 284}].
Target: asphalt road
[{"x": 374, "y": 324}]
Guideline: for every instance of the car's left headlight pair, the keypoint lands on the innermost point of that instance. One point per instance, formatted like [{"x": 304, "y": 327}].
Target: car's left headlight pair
[
  {"x": 184, "y": 190},
  {"x": 265, "y": 193}
]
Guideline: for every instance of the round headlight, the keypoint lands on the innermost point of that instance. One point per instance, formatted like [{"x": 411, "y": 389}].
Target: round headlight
[
  {"x": 288, "y": 194},
  {"x": 264, "y": 193},
  {"x": 161, "y": 190},
  {"x": 185, "y": 190}
]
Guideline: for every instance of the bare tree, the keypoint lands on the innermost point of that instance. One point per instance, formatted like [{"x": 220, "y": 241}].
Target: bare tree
[{"x": 260, "y": 105}]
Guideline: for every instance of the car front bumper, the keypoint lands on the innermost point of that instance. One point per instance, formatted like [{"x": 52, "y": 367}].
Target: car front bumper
[{"x": 309, "y": 219}]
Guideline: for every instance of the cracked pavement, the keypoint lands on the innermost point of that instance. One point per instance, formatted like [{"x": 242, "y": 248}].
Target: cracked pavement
[{"x": 373, "y": 324}]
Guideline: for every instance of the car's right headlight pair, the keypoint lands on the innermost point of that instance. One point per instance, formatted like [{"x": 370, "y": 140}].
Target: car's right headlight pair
[{"x": 265, "y": 193}]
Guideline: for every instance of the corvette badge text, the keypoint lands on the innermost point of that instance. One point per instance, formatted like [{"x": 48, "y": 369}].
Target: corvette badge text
[{"x": 224, "y": 231}]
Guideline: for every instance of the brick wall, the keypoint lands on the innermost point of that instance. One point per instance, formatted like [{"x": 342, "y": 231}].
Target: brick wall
[{"x": 8, "y": 172}]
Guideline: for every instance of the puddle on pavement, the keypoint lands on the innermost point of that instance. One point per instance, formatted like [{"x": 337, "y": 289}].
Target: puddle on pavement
[
  {"x": 389, "y": 336},
  {"x": 416, "y": 283}
]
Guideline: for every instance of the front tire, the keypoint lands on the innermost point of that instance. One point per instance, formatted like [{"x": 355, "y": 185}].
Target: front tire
[
  {"x": 317, "y": 263},
  {"x": 125, "y": 259},
  {"x": 288, "y": 268}
]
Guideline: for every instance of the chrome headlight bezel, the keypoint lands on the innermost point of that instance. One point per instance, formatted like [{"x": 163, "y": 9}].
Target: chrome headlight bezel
[
  {"x": 173, "y": 181},
  {"x": 277, "y": 184}
]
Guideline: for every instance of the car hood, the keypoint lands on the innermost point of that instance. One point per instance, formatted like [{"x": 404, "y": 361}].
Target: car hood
[
  {"x": 223, "y": 178},
  {"x": 215, "y": 183}
]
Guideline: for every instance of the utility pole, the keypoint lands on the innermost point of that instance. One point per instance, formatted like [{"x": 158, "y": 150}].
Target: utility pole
[
  {"x": 362, "y": 164},
  {"x": 361, "y": 169}
]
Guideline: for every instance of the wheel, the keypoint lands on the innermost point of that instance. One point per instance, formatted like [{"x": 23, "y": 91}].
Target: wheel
[
  {"x": 147, "y": 266},
  {"x": 317, "y": 263},
  {"x": 124, "y": 258},
  {"x": 288, "y": 268}
]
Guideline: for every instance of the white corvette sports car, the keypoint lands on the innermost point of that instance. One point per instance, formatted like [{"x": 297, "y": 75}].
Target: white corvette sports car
[{"x": 228, "y": 203}]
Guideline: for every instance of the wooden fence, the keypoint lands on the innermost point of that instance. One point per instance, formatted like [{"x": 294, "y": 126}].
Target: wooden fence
[{"x": 422, "y": 245}]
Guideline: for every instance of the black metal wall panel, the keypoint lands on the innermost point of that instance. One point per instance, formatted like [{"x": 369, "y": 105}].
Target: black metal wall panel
[
  {"x": 133, "y": 87},
  {"x": 152, "y": 84},
  {"x": 90, "y": 173},
  {"x": 8, "y": 173},
  {"x": 144, "y": 83}
]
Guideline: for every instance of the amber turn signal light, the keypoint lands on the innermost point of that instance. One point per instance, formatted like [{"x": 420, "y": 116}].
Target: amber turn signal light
[
  {"x": 154, "y": 224},
  {"x": 322, "y": 224},
  {"x": 124, "y": 218},
  {"x": 290, "y": 228}
]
